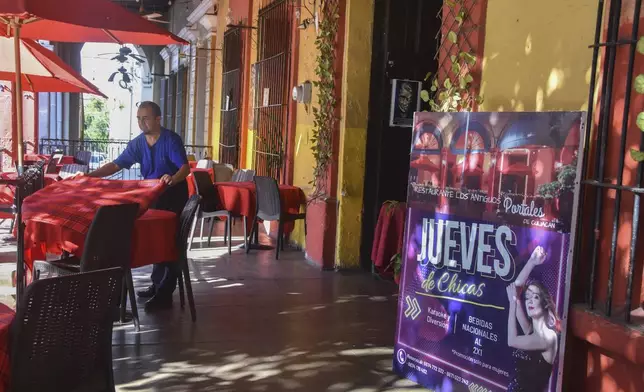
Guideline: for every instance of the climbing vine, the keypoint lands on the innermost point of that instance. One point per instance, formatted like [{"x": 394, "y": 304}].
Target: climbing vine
[
  {"x": 324, "y": 114},
  {"x": 638, "y": 84},
  {"x": 451, "y": 89}
]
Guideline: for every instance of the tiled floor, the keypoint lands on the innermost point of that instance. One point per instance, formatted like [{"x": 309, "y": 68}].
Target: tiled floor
[{"x": 263, "y": 325}]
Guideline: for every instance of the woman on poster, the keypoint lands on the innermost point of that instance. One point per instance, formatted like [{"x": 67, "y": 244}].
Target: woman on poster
[{"x": 537, "y": 347}]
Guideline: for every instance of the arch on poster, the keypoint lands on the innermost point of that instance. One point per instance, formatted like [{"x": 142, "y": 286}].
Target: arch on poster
[{"x": 478, "y": 139}]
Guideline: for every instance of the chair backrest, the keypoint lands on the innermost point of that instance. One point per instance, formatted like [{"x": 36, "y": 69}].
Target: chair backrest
[
  {"x": 223, "y": 173},
  {"x": 248, "y": 175},
  {"x": 109, "y": 238},
  {"x": 61, "y": 337},
  {"x": 206, "y": 189},
  {"x": 205, "y": 164},
  {"x": 58, "y": 157},
  {"x": 51, "y": 165},
  {"x": 269, "y": 206},
  {"x": 238, "y": 175},
  {"x": 185, "y": 224},
  {"x": 83, "y": 157},
  {"x": 71, "y": 169}
]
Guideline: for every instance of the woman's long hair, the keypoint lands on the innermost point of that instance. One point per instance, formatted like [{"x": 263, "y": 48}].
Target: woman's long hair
[{"x": 547, "y": 304}]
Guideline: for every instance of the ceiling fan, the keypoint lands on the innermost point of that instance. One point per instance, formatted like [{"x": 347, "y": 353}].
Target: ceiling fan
[
  {"x": 126, "y": 77},
  {"x": 124, "y": 55}
]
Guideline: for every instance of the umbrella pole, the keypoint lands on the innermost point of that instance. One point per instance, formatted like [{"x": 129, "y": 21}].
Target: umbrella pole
[
  {"x": 16, "y": 44},
  {"x": 20, "y": 262}
]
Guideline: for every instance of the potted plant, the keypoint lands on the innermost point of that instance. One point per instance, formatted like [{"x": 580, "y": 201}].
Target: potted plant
[{"x": 396, "y": 262}]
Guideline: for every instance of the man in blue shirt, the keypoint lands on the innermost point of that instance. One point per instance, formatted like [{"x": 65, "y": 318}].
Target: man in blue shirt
[{"x": 162, "y": 155}]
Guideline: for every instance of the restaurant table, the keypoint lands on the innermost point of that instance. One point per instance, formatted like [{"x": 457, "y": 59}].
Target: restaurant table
[
  {"x": 153, "y": 240},
  {"x": 240, "y": 199},
  {"x": 33, "y": 158},
  {"x": 6, "y": 318},
  {"x": 58, "y": 217},
  {"x": 388, "y": 236}
]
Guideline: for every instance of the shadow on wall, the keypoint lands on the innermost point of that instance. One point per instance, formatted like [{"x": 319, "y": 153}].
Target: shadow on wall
[{"x": 534, "y": 59}]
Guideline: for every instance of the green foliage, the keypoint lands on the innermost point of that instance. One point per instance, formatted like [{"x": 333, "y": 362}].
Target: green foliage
[
  {"x": 638, "y": 85},
  {"x": 455, "y": 92},
  {"x": 97, "y": 119},
  {"x": 324, "y": 115},
  {"x": 565, "y": 182}
]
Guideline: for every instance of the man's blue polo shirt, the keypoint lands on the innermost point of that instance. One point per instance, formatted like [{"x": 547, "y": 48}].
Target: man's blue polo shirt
[{"x": 166, "y": 156}]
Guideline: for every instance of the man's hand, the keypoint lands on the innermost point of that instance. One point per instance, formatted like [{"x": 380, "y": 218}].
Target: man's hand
[{"x": 167, "y": 179}]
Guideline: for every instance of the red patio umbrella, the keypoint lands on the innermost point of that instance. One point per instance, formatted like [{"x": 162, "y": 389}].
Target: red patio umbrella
[
  {"x": 74, "y": 21},
  {"x": 42, "y": 70}
]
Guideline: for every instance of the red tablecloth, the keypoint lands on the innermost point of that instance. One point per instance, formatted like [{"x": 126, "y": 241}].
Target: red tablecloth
[
  {"x": 72, "y": 203},
  {"x": 57, "y": 218},
  {"x": 388, "y": 236},
  {"x": 193, "y": 164},
  {"x": 239, "y": 198},
  {"x": 154, "y": 239},
  {"x": 192, "y": 189},
  {"x": 6, "y": 318}
]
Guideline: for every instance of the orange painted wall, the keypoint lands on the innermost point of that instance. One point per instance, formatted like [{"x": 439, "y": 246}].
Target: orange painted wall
[{"x": 603, "y": 355}]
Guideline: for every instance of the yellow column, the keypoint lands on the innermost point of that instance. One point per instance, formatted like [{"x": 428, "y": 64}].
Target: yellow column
[{"x": 353, "y": 130}]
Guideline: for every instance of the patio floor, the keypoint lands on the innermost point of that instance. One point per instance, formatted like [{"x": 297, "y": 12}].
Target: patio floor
[{"x": 262, "y": 325}]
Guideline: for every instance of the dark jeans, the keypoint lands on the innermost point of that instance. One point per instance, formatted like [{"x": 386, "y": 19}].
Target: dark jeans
[{"x": 165, "y": 275}]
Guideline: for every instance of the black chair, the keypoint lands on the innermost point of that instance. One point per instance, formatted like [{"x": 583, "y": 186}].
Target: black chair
[
  {"x": 210, "y": 208},
  {"x": 247, "y": 175},
  {"x": 71, "y": 169},
  {"x": 61, "y": 338},
  {"x": 52, "y": 164},
  {"x": 108, "y": 244},
  {"x": 25, "y": 185},
  {"x": 83, "y": 157},
  {"x": 237, "y": 176},
  {"x": 188, "y": 215},
  {"x": 269, "y": 208}
]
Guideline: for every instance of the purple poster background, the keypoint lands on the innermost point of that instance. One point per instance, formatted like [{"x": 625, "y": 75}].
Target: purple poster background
[{"x": 491, "y": 199}]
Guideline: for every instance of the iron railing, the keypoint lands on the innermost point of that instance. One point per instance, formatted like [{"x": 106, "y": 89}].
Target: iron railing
[
  {"x": 271, "y": 93},
  {"x": 603, "y": 188},
  {"x": 231, "y": 97},
  {"x": 104, "y": 151}
]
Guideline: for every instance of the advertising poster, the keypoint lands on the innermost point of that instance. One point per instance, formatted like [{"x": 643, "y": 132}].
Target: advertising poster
[{"x": 486, "y": 261}]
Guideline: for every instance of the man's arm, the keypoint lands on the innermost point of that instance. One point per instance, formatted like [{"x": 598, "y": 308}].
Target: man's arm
[
  {"x": 181, "y": 174},
  {"x": 179, "y": 158},
  {"x": 105, "y": 170}
]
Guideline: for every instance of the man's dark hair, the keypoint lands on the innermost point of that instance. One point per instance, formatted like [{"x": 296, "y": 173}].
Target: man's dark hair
[{"x": 151, "y": 105}]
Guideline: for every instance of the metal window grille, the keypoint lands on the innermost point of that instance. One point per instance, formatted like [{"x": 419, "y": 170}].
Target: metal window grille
[
  {"x": 170, "y": 101},
  {"x": 458, "y": 36},
  {"x": 182, "y": 95},
  {"x": 609, "y": 198},
  {"x": 231, "y": 96},
  {"x": 271, "y": 94},
  {"x": 162, "y": 97}
]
